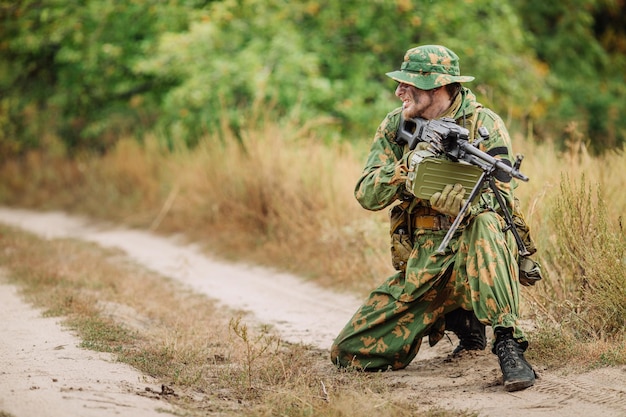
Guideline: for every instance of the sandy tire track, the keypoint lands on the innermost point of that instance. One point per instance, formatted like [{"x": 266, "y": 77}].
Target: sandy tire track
[{"x": 43, "y": 372}]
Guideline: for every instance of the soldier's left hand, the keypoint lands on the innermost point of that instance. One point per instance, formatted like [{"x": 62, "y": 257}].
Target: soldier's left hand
[{"x": 449, "y": 201}]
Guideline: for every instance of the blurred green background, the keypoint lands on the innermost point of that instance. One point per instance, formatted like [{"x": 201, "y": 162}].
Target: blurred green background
[{"x": 90, "y": 72}]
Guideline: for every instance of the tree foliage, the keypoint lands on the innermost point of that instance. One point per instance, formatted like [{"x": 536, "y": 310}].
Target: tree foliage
[
  {"x": 67, "y": 65},
  {"x": 584, "y": 43},
  {"x": 89, "y": 71},
  {"x": 328, "y": 58}
]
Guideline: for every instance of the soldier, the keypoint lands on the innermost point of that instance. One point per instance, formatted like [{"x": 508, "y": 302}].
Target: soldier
[{"x": 475, "y": 282}]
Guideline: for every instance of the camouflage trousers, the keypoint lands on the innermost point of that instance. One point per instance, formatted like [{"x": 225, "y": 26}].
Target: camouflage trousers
[{"x": 478, "y": 272}]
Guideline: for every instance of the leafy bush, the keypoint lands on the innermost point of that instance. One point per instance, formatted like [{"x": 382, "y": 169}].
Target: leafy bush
[
  {"x": 67, "y": 69},
  {"x": 583, "y": 43}
]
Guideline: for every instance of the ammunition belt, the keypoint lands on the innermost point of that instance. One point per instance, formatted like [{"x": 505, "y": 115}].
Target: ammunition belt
[{"x": 427, "y": 218}]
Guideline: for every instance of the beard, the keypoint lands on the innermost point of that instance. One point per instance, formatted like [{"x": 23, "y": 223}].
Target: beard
[{"x": 417, "y": 105}]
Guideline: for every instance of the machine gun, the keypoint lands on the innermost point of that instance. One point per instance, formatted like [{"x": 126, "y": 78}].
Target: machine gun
[{"x": 445, "y": 137}]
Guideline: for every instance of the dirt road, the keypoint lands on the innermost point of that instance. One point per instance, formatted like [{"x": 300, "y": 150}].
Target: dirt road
[{"x": 43, "y": 373}]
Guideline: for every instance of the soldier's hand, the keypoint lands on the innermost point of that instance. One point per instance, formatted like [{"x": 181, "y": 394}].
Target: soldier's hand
[{"x": 449, "y": 201}]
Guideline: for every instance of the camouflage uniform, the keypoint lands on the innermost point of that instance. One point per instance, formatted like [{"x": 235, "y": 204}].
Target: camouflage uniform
[{"x": 478, "y": 271}]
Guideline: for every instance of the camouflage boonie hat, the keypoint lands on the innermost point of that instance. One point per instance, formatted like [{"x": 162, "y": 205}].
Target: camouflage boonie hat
[{"x": 429, "y": 66}]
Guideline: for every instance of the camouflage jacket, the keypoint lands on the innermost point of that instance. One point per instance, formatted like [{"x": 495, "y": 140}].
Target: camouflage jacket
[{"x": 383, "y": 179}]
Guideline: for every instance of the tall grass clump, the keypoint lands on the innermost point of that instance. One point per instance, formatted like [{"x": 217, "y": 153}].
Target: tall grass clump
[
  {"x": 281, "y": 197},
  {"x": 589, "y": 251},
  {"x": 584, "y": 296}
]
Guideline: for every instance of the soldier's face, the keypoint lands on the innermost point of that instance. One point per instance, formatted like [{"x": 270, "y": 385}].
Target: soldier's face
[{"x": 415, "y": 102}]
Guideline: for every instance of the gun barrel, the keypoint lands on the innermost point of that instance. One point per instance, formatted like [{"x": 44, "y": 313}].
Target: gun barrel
[{"x": 491, "y": 161}]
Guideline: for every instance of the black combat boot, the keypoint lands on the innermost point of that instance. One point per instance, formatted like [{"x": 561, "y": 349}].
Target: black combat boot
[
  {"x": 517, "y": 374},
  {"x": 468, "y": 329}
]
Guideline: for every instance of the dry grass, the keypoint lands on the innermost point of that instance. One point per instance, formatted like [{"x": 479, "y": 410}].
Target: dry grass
[
  {"x": 214, "y": 361},
  {"x": 286, "y": 200}
]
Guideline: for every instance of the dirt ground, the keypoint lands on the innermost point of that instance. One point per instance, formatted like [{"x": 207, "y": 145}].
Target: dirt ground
[{"x": 44, "y": 373}]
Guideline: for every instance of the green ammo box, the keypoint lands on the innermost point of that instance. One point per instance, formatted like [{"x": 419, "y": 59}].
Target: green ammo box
[{"x": 429, "y": 174}]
